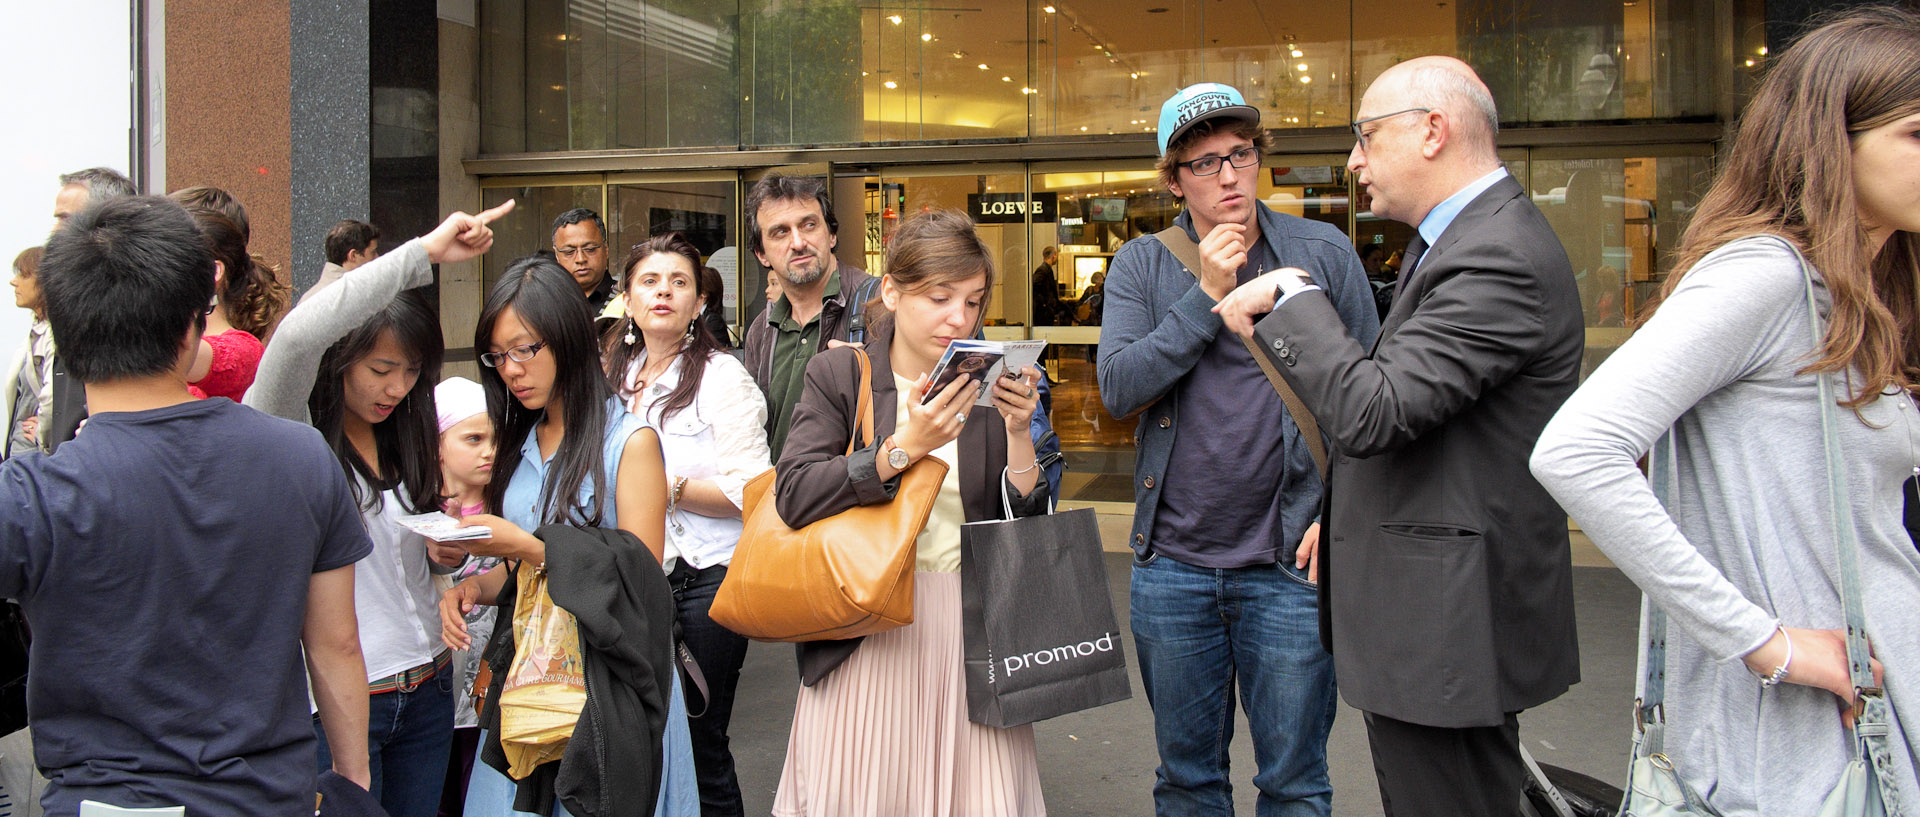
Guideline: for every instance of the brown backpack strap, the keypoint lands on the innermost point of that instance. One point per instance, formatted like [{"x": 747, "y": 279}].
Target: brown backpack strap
[{"x": 1176, "y": 240}]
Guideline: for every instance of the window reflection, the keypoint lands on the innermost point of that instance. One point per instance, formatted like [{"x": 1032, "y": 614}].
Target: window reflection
[
  {"x": 608, "y": 74},
  {"x": 1619, "y": 220}
]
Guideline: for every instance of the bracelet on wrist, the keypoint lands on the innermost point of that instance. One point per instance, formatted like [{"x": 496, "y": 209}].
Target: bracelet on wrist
[
  {"x": 1780, "y": 672},
  {"x": 1030, "y": 467}
]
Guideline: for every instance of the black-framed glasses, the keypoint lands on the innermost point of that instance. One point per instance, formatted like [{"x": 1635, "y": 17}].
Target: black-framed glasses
[
  {"x": 517, "y": 354},
  {"x": 1363, "y": 137},
  {"x": 1208, "y": 165},
  {"x": 569, "y": 252}
]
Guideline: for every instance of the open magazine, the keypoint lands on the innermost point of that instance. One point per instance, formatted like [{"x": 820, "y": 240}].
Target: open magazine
[
  {"x": 443, "y": 528},
  {"x": 983, "y": 360}
]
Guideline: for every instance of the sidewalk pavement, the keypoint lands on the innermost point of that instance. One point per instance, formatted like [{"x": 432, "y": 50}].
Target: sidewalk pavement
[{"x": 1101, "y": 762}]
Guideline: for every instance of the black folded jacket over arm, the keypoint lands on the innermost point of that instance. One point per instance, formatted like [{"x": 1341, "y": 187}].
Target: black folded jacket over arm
[{"x": 617, "y": 592}]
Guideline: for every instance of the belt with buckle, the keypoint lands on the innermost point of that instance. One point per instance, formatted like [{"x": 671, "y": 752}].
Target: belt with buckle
[{"x": 406, "y": 681}]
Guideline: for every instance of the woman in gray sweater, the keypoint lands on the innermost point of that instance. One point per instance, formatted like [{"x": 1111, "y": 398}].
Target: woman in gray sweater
[{"x": 1742, "y": 557}]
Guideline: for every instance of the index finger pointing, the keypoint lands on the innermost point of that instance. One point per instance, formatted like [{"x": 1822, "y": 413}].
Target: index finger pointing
[{"x": 488, "y": 216}]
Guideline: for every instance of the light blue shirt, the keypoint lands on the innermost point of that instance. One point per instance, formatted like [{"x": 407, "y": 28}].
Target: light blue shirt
[{"x": 1442, "y": 215}]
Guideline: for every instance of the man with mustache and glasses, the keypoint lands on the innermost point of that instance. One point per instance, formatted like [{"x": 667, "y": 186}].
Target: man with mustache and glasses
[{"x": 580, "y": 243}]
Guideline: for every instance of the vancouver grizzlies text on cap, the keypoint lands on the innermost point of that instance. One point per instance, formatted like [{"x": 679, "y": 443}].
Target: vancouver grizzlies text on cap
[{"x": 1198, "y": 103}]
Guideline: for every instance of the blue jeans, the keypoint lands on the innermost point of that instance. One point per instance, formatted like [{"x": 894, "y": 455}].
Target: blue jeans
[
  {"x": 1198, "y": 631},
  {"x": 719, "y": 652},
  {"x": 408, "y": 737}
]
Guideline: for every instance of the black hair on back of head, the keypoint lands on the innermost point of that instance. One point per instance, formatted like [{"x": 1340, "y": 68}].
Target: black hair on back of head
[
  {"x": 124, "y": 282},
  {"x": 544, "y": 297},
  {"x": 409, "y": 439}
]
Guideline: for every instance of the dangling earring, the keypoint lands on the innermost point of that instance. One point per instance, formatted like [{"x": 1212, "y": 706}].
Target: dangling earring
[{"x": 629, "y": 338}]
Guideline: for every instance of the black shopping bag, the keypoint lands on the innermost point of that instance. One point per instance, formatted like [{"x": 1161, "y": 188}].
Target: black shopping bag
[{"x": 1041, "y": 639}]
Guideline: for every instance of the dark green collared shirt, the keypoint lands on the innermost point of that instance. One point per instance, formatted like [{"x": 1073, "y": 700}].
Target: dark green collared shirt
[{"x": 793, "y": 345}]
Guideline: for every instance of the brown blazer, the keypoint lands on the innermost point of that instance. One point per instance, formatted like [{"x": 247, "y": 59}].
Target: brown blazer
[{"x": 816, "y": 478}]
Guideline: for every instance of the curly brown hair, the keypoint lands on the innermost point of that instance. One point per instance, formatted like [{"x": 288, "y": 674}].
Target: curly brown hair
[{"x": 252, "y": 295}]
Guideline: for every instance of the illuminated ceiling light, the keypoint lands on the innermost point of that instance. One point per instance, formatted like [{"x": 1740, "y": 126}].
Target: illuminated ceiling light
[
  {"x": 1749, "y": 63},
  {"x": 863, "y": 73},
  {"x": 891, "y": 84},
  {"x": 1300, "y": 67},
  {"x": 894, "y": 19},
  {"x": 1763, "y": 51},
  {"x": 558, "y": 87},
  {"x": 1047, "y": 9},
  {"x": 1028, "y": 91},
  {"x": 983, "y": 66},
  {"x": 563, "y": 38},
  {"x": 1135, "y": 75},
  {"x": 1297, "y": 53},
  {"x": 1305, "y": 80},
  {"x": 959, "y": 55},
  {"x": 1083, "y": 127},
  {"x": 1006, "y": 79},
  {"x": 925, "y": 37}
]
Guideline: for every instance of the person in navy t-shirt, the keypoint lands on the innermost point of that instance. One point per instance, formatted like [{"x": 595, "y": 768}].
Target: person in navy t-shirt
[{"x": 175, "y": 557}]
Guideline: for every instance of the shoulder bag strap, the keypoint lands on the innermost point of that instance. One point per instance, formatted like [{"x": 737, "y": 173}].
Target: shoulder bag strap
[
  {"x": 857, "y": 311},
  {"x": 1870, "y": 730},
  {"x": 1846, "y": 535},
  {"x": 1176, "y": 240},
  {"x": 863, "y": 408}
]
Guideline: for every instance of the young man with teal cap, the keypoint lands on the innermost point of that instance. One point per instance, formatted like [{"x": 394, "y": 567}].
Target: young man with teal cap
[{"x": 1222, "y": 594}]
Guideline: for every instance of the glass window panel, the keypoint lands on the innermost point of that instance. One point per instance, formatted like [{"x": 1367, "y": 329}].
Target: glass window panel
[
  {"x": 1620, "y": 220},
  {"x": 592, "y": 74},
  {"x": 528, "y": 230},
  {"x": 802, "y": 71},
  {"x": 1563, "y": 60},
  {"x": 1101, "y": 73}
]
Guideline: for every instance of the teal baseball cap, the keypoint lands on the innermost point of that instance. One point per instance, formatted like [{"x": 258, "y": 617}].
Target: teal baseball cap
[{"x": 1198, "y": 103}]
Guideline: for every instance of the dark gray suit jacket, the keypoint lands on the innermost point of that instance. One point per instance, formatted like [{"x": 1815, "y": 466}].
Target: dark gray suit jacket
[{"x": 1446, "y": 582}]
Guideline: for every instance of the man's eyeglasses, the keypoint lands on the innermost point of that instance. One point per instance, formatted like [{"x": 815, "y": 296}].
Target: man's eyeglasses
[
  {"x": 1209, "y": 165},
  {"x": 1363, "y": 137},
  {"x": 569, "y": 252},
  {"x": 517, "y": 354}
]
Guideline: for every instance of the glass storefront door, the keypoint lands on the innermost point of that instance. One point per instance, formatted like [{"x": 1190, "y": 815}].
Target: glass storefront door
[
  {"x": 703, "y": 208},
  {"x": 635, "y": 206}
]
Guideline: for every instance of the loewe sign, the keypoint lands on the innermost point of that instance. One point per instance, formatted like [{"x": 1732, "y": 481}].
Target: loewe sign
[{"x": 1012, "y": 208}]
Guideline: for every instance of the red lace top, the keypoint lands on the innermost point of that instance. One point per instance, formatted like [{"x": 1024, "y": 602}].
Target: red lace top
[{"x": 236, "y": 356}]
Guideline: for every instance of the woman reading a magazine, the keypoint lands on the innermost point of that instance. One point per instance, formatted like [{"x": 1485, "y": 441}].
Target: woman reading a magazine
[{"x": 863, "y": 740}]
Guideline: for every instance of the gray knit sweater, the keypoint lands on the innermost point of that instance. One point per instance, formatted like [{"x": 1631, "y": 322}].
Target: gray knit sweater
[
  {"x": 292, "y": 359},
  {"x": 1749, "y": 542}
]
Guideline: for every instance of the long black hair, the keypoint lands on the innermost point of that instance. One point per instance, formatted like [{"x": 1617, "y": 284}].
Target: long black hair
[
  {"x": 547, "y": 300},
  {"x": 409, "y": 440},
  {"x": 700, "y": 346}
]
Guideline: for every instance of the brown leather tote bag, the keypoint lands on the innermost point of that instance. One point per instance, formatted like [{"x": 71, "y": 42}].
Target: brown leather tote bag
[{"x": 845, "y": 576}]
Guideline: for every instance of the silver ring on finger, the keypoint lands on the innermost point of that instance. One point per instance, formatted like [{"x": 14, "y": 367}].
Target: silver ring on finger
[
  {"x": 960, "y": 418},
  {"x": 1029, "y": 391}
]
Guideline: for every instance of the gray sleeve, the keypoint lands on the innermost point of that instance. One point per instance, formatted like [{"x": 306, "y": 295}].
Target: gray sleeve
[
  {"x": 1722, "y": 323},
  {"x": 1144, "y": 352},
  {"x": 292, "y": 358}
]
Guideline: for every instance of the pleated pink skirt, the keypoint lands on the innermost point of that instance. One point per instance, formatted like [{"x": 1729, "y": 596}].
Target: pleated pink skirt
[{"x": 886, "y": 734}]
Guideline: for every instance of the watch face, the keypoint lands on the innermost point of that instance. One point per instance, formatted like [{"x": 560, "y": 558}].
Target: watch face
[{"x": 897, "y": 458}]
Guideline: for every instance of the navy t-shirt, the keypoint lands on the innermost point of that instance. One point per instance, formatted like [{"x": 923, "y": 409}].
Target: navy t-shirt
[
  {"x": 163, "y": 558},
  {"x": 1228, "y": 500}
]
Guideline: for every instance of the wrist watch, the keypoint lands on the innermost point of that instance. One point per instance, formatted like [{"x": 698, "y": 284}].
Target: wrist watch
[{"x": 896, "y": 456}]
